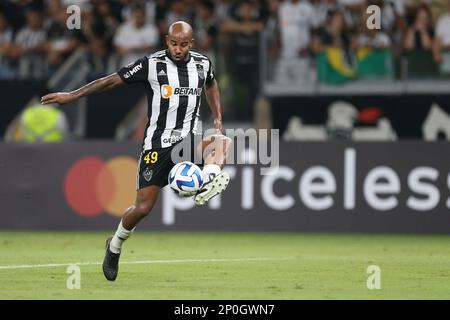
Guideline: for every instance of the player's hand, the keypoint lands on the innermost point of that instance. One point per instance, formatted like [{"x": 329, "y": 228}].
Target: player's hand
[
  {"x": 218, "y": 125},
  {"x": 58, "y": 97}
]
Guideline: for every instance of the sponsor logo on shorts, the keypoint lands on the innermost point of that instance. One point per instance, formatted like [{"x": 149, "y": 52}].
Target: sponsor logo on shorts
[{"x": 172, "y": 139}]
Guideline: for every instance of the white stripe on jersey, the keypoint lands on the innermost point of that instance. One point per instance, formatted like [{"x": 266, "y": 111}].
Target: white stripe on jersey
[
  {"x": 155, "y": 103},
  {"x": 193, "y": 83},
  {"x": 174, "y": 100},
  {"x": 198, "y": 55},
  {"x": 196, "y": 116},
  {"x": 158, "y": 54}
]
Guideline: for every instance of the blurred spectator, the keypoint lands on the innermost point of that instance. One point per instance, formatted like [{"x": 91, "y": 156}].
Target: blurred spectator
[
  {"x": 43, "y": 124},
  {"x": 223, "y": 10},
  {"x": 295, "y": 19},
  {"x": 419, "y": 35},
  {"x": 391, "y": 10},
  {"x": 80, "y": 3},
  {"x": 436, "y": 7},
  {"x": 418, "y": 43},
  {"x": 38, "y": 123},
  {"x": 320, "y": 10},
  {"x": 29, "y": 47},
  {"x": 151, "y": 8},
  {"x": 135, "y": 37},
  {"x": 401, "y": 6},
  {"x": 334, "y": 34},
  {"x": 294, "y": 29},
  {"x": 52, "y": 9},
  {"x": 272, "y": 29},
  {"x": 16, "y": 10},
  {"x": 206, "y": 29},
  {"x": 442, "y": 43},
  {"x": 371, "y": 38},
  {"x": 192, "y": 8},
  {"x": 334, "y": 46},
  {"x": 244, "y": 30},
  {"x": 393, "y": 23},
  {"x": 178, "y": 10},
  {"x": 389, "y": 14},
  {"x": 350, "y": 3},
  {"x": 98, "y": 28},
  {"x": 61, "y": 41},
  {"x": 373, "y": 52},
  {"x": 273, "y": 38},
  {"x": 106, "y": 23},
  {"x": 351, "y": 10},
  {"x": 6, "y": 37}
]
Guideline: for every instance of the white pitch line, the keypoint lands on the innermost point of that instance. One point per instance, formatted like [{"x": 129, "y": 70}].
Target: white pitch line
[{"x": 54, "y": 265}]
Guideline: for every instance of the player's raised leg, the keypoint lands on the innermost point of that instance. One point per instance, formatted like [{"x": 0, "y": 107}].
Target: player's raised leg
[
  {"x": 145, "y": 201},
  {"x": 214, "y": 149}
]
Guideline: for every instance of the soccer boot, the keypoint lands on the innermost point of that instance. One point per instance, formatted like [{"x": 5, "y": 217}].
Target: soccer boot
[
  {"x": 110, "y": 262},
  {"x": 212, "y": 188}
]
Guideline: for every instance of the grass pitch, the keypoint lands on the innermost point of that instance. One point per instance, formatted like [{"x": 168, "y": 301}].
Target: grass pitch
[{"x": 226, "y": 266}]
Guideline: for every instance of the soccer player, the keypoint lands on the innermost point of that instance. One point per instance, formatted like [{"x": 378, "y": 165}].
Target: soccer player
[{"x": 174, "y": 79}]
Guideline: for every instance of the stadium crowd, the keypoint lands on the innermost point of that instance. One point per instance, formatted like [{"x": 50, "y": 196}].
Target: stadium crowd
[
  {"x": 302, "y": 41},
  {"x": 34, "y": 38}
]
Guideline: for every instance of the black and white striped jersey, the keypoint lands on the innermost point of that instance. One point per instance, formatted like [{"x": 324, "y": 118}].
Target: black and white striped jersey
[
  {"x": 174, "y": 90},
  {"x": 28, "y": 38}
]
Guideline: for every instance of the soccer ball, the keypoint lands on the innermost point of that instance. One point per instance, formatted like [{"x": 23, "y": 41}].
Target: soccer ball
[{"x": 185, "y": 179}]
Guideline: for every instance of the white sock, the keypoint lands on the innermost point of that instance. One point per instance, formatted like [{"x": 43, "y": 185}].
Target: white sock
[
  {"x": 119, "y": 238},
  {"x": 210, "y": 171}
]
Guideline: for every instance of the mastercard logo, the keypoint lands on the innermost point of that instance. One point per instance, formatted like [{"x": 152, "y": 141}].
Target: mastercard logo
[
  {"x": 166, "y": 91},
  {"x": 93, "y": 186}
]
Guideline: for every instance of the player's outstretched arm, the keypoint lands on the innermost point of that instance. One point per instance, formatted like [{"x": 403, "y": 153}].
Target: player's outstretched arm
[{"x": 98, "y": 85}]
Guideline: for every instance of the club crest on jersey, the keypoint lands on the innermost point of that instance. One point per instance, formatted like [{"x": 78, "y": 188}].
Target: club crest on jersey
[
  {"x": 200, "y": 71},
  {"x": 167, "y": 91}
]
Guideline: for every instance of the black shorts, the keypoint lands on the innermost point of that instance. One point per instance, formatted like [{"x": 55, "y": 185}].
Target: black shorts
[{"x": 155, "y": 164}]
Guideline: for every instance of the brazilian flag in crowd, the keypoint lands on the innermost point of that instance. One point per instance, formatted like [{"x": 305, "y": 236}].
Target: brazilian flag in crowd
[{"x": 337, "y": 66}]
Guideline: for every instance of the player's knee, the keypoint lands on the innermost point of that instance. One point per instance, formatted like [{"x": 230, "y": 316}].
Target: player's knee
[{"x": 144, "y": 208}]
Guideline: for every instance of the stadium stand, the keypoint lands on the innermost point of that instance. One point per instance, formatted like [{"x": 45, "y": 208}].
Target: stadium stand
[{"x": 260, "y": 48}]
